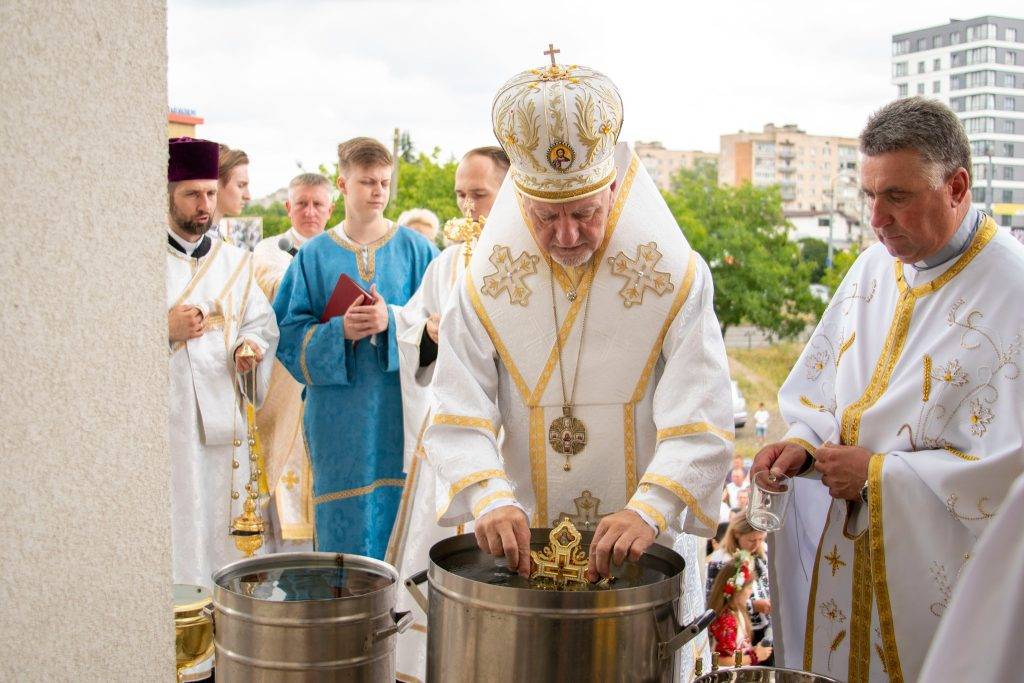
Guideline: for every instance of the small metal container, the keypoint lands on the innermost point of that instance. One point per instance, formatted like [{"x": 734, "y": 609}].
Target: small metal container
[
  {"x": 306, "y": 617},
  {"x": 762, "y": 674},
  {"x": 485, "y": 626}
]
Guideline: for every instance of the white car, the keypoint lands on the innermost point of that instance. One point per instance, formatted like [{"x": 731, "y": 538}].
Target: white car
[{"x": 739, "y": 406}]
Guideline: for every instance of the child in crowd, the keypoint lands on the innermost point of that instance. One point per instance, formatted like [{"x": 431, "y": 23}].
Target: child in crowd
[{"x": 731, "y": 631}]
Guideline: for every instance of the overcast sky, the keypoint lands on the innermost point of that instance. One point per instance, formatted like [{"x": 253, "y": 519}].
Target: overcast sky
[{"x": 287, "y": 81}]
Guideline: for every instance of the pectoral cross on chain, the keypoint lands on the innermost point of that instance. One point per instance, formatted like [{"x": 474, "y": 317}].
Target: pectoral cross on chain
[{"x": 551, "y": 52}]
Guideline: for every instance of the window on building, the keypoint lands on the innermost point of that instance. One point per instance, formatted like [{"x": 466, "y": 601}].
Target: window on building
[
  {"x": 1009, "y": 127},
  {"x": 900, "y": 47},
  {"x": 899, "y": 69},
  {"x": 1008, "y": 196},
  {"x": 980, "y": 124},
  {"x": 1011, "y": 35},
  {"x": 901, "y": 90},
  {"x": 920, "y": 67},
  {"x": 920, "y": 88},
  {"x": 954, "y": 38},
  {"x": 979, "y": 171},
  {"x": 936, "y": 65},
  {"x": 1008, "y": 149},
  {"x": 1008, "y": 80},
  {"x": 978, "y": 193},
  {"x": 937, "y": 42},
  {"x": 936, "y": 86},
  {"x": 980, "y": 55},
  {"x": 922, "y": 43},
  {"x": 1007, "y": 172},
  {"x": 1010, "y": 104},
  {"x": 1010, "y": 57}
]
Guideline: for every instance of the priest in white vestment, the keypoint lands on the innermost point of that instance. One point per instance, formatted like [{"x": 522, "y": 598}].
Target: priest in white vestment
[
  {"x": 477, "y": 180},
  {"x": 215, "y": 307},
  {"x": 279, "y": 420},
  {"x": 584, "y": 328},
  {"x": 905, "y": 412}
]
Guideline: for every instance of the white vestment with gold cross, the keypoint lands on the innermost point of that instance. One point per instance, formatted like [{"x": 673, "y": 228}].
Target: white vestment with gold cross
[
  {"x": 653, "y": 382},
  {"x": 279, "y": 421},
  {"x": 205, "y": 421},
  {"x": 922, "y": 369}
]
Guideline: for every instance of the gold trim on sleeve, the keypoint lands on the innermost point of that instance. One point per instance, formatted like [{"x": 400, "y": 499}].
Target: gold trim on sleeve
[
  {"x": 640, "y": 506},
  {"x": 354, "y": 493},
  {"x": 878, "y": 572},
  {"x": 682, "y": 494},
  {"x": 677, "y": 304},
  {"x": 539, "y": 465},
  {"x": 481, "y": 423},
  {"x": 629, "y": 446},
  {"x": 469, "y": 480},
  {"x": 490, "y": 498},
  {"x": 302, "y": 354},
  {"x": 811, "y": 450},
  {"x": 696, "y": 428}
]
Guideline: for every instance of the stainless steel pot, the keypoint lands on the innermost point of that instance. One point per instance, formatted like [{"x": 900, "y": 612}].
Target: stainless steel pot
[
  {"x": 481, "y": 629},
  {"x": 306, "y": 617},
  {"x": 762, "y": 674}
]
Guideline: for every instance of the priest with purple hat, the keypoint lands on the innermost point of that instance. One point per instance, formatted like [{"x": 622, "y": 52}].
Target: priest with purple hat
[{"x": 220, "y": 327}]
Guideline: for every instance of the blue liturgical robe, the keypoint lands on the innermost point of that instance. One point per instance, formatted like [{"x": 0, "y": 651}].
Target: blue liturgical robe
[{"x": 353, "y": 401}]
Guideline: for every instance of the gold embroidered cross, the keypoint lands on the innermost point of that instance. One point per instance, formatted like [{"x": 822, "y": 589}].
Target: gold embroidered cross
[
  {"x": 640, "y": 274},
  {"x": 551, "y": 52},
  {"x": 290, "y": 480},
  {"x": 834, "y": 560},
  {"x": 510, "y": 275},
  {"x": 587, "y": 515}
]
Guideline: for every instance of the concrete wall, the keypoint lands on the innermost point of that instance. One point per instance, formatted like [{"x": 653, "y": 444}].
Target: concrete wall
[{"x": 85, "y": 522}]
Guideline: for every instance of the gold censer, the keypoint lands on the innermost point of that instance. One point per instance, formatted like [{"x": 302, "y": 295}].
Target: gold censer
[{"x": 248, "y": 528}]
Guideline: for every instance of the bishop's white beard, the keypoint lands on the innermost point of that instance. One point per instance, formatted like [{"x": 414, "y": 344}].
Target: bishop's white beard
[{"x": 574, "y": 261}]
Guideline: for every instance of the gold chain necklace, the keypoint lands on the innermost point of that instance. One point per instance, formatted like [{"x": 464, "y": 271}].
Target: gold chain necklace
[{"x": 567, "y": 434}]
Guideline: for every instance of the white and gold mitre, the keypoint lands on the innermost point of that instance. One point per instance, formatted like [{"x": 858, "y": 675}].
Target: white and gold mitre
[{"x": 559, "y": 125}]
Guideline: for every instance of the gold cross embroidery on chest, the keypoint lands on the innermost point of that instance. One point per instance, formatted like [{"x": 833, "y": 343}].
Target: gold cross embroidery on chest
[
  {"x": 510, "y": 275},
  {"x": 587, "y": 515},
  {"x": 290, "y": 480},
  {"x": 640, "y": 274}
]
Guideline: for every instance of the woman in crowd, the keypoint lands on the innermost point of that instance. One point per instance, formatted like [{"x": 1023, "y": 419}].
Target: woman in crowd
[
  {"x": 741, "y": 537},
  {"x": 731, "y": 631},
  {"x": 232, "y": 187},
  {"x": 423, "y": 221}
]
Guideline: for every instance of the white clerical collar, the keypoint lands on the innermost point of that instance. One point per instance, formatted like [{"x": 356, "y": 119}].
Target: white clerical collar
[
  {"x": 956, "y": 245},
  {"x": 187, "y": 247},
  {"x": 297, "y": 239}
]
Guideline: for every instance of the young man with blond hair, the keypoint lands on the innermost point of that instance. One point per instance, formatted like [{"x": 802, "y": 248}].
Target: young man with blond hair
[{"x": 349, "y": 364}]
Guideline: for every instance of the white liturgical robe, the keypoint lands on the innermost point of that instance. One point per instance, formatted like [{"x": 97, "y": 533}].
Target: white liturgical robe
[
  {"x": 920, "y": 368},
  {"x": 279, "y": 421},
  {"x": 653, "y": 384},
  {"x": 205, "y": 418}
]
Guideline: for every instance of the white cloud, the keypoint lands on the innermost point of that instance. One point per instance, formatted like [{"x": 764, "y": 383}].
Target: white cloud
[{"x": 287, "y": 81}]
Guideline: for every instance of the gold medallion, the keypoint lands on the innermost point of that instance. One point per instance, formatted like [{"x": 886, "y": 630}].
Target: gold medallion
[{"x": 567, "y": 435}]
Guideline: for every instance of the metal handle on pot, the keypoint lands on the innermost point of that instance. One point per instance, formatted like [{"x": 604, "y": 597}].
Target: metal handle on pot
[
  {"x": 685, "y": 634},
  {"x": 208, "y": 612},
  {"x": 412, "y": 585},
  {"x": 402, "y": 622}
]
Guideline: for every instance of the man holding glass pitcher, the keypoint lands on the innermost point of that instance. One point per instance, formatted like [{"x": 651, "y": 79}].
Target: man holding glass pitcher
[{"x": 905, "y": 413}]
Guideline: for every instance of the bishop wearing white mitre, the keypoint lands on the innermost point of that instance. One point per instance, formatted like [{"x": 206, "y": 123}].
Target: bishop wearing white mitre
[
  {"x": 585, "y": 329},
  {"x": 906, "y": 411},
  {"x": 215, "y": 307}
]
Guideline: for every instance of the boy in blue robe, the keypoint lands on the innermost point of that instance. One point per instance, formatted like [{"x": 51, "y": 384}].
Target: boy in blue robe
[{"x": 349, "y": 365}]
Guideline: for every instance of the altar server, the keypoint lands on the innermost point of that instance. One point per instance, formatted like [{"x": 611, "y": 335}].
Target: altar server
[
  {"x": 215, "y": 307},
  {"x": 905, "y": 412},
  {"x": 584, "y": 327},
  {"x": 349, "y": 363}
]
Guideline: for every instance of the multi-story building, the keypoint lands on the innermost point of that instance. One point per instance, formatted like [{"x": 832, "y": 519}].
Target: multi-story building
[
  {"x": 809, "y": 169},
  {"x": 976, "y": 66},
  {"x": 182, "y": 123},
  {"x": 663, "y": 163}
]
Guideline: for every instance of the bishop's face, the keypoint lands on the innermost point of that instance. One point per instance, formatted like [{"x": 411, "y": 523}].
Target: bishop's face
[
  {"x": 572, "y": 231},
  {"x": 192, "y": 203},
  {"x": 913, "y": 212}
]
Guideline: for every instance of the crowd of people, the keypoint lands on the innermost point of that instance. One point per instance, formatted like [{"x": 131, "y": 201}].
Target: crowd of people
[{"x": 420, "y": 408}]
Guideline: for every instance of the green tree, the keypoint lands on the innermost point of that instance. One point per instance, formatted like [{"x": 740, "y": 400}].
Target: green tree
[
  {"x": 741, "y": 232},
  {"x": 275, "y": 218},
  {"x": 815, "y": 252},
  {"x": 841, "y": 262}
]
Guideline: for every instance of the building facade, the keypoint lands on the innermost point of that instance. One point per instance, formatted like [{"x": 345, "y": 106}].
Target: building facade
[
  {"x": 663, "y": 163},
  {"x": 976, "y": 66},
  {"x": 809, "y": 169},
  {"x": 182, "y": 123}
]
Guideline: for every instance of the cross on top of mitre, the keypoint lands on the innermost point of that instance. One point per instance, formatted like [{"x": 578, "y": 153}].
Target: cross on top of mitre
[
  {"x": 554, "y": 71},
  {"x": 551, "y": 52}
]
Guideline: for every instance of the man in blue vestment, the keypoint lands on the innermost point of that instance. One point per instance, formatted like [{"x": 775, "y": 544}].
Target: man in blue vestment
[{"x": 349, "y": 365}]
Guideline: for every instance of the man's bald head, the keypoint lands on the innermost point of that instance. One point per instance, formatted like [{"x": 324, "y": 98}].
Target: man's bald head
[{"x": 478, "y": 178}]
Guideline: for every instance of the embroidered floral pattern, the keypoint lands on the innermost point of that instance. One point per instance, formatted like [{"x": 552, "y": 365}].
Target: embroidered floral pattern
[
  {"x": 980, "y": 417},
  {"x": 830, "y": 610},
  {"x": 952, "y": 374},
  {"x": 816, "y": 364}
]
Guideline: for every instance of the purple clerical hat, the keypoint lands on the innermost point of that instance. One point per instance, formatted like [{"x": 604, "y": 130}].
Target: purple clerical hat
[{"x": 192, "y": 159}]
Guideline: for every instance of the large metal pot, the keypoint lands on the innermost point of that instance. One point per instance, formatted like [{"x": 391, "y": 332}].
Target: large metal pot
[
  {"x": 762, "y": 674},
  {"x": 306, "y": 617},
  {"x": 482, "y": 629}
]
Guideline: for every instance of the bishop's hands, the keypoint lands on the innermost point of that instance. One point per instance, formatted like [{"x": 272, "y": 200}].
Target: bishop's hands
[
  {"x": 844, "y": 469},
  {"x": 184, "y": 322},
  {"x": 780, "y": 457},
  {"x": 619, "y": 535},
  {"x": 364, "y": 320},
  {"x": 505, "y": 532}
]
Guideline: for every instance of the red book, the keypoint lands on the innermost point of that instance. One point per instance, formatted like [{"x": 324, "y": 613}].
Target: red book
[{"x": 346, "y": 291}]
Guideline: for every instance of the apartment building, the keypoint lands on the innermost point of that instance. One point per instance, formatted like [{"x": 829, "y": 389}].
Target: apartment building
[
  {"x": 976, "y": 66},
  {"x": 663, "y": 163}
]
